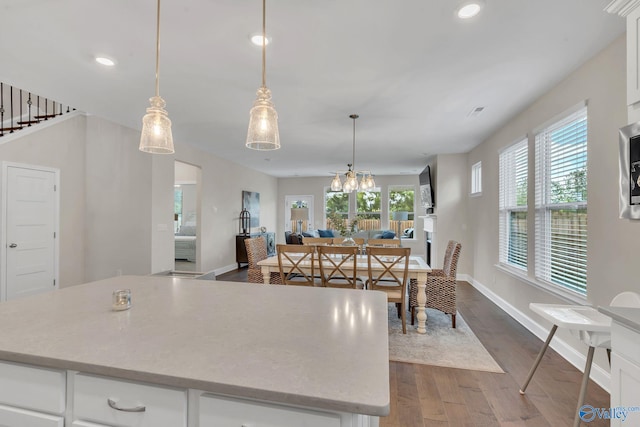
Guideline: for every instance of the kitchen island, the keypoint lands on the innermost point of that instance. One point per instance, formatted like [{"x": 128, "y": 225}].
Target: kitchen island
[{"x": 202, "y": 352}]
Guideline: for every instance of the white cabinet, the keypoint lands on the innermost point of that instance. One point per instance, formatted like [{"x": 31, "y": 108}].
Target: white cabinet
[
  {"x": 124, "y": 403},
  {"x": 31, "y": 396},
  {"x": 15, "y": 417},
  {"x": 625, "y": 372},
  {"x": 218, "y": 411},
  {"x": 633, "y": 57},
  {"x": 36, "y": 397}
]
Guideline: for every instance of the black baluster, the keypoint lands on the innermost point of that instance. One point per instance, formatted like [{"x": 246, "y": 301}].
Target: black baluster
[
  {"x": 11, "y": 107},
  {"x": 1, "y": 109},
  {"x": 29, "y": 104}
]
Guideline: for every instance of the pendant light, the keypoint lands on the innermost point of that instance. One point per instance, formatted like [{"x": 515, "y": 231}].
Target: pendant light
[
  {"x": 156, "y": 127},
  {"x": 263, "y": 118},
  {"x": 351, "y": 181}
]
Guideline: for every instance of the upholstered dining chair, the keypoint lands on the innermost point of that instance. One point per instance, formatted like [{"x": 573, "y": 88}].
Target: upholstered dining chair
[
  {"x": 392, "y": 279},
  {"x": 296, "y": 264},
  {"x": 256, "y": 252},
  {"x": 339, "y": 266},
  {"x": 441, "y": 285}
]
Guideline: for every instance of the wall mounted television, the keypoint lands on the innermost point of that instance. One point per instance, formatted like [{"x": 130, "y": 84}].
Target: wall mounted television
[{"x": 427, "y": 198}]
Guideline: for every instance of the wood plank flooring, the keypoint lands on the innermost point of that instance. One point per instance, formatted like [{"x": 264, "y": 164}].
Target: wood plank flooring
[{"x": 426, "y": 396}]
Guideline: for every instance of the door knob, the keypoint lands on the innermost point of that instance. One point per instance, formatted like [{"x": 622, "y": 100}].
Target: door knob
[{"x": 13, "y": 245}]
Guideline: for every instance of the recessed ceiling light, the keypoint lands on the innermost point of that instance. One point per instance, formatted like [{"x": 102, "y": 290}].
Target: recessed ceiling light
[
  {"x": 107, "y": 62},
  {"x": 257, "y": 40},
  {"x": 469, "y": 9}
]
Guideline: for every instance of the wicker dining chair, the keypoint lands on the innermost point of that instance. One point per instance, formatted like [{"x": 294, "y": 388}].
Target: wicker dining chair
[
  {"x": 393, "y": 278},
  {"x": 339, "y": 266},
  {"x": 296, "y": 264},
  {"x": 441, "y": 285},
  {"x": 256, "y": 252}
]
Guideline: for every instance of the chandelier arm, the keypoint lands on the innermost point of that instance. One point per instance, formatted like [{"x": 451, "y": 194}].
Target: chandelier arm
[
  {"x": 264, "y": 42},
  {"x": 158, "y": 51}
]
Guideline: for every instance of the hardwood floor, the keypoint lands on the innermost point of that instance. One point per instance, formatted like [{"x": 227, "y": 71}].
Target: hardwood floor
[{"x": 425, "y": 396}]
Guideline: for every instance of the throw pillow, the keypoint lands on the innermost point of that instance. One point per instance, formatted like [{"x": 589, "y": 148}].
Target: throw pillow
[
  {"x": 325, "y": 233},
  {"x": 388, "y": 234},
  {"x": 307, "y": 234}
]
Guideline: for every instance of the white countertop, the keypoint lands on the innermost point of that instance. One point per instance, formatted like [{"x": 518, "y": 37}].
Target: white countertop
[
  {"x": 627, "y": 316},
  {"x": 315, "y": 347}
]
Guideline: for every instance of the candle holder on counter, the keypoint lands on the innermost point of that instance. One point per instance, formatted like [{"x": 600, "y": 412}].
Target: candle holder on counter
[{"x": 121, "y": 299}]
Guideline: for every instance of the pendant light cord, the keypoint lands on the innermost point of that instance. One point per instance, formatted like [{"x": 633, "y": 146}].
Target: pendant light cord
[
  {"x": 353, "y": 156},
  {"x": 158, "y": 52},
  {"x": 264, "y": 42}
]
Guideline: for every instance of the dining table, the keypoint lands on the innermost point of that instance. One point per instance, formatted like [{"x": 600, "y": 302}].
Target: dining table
[{"x": 418, "y": 270}]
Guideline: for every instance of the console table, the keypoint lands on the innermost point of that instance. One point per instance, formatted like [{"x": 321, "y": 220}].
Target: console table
[{"x": 241, "y": 249}]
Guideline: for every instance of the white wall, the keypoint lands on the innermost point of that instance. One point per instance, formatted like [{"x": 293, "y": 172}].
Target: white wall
[
  {"x": 117, "y": 202},
  {"x": 611, "y": 270},
  {"x": 59, "y": 146},
  {"x": 451, "y": 183},
  {"x": 221, "y": 186}
]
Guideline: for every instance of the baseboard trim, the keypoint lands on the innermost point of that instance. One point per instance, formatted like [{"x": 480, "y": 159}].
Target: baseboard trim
[
  {"x": 225, "y": 269},
  {"x": 599, "y": 375}
]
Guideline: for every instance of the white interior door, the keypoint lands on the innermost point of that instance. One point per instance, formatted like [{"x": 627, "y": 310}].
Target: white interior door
[
  {"x": 30, "y": 226},
  {"x": 289, "y": 201}
]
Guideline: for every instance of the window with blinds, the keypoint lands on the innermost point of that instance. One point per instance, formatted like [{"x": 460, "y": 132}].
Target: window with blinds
[
  {"x": 513, "y": 170},
  {"x": 561, "y": 203}
]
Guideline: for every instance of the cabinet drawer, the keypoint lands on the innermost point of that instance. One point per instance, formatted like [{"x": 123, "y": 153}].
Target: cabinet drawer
[
  {"x": 40, "y": 389},
  {"x": 14, "y": 417},
  {"x": 163, "y": 406},
  {"x": 222, "y": 411}
]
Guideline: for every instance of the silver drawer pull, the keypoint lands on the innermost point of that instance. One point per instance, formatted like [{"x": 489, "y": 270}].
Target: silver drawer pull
[{"x": 115, "y": 406}]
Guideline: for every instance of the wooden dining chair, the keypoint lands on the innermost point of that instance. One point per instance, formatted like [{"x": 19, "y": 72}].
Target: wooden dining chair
[
  {"x": 383, "y": 242},
  {"x": 317, "y": 240},
  {"x": 256, "y": 252},
  {"x": 358, "y": 240},
  {"x": 339, "y": 266},
  {"x": 392, "y": 277},
  {"x": 296, "y": 264}
]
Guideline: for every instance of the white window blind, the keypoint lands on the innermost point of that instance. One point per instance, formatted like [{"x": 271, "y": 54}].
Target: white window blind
[
  {"x": 513, "y": 170},
  {"x": 476, "y": 178},
  {"x": 561, "y": 203}
]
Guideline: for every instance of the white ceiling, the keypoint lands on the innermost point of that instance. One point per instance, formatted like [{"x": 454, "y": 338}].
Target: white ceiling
[{"x": 410, "y": 69}]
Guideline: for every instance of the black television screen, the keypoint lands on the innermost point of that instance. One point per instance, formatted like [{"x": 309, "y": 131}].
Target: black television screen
[{"x": 426, "y": 190}]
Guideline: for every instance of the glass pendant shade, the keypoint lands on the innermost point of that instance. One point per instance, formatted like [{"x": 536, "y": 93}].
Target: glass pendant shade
[
  {"x": 370, "y": 182},
  {"x": 363, "y": 183},
  {"x": 336, "y": 184},
  {"x": 156, "y": 134},
  {"x": 351, "y": 184},
  {"x": 263, "y": 123}
]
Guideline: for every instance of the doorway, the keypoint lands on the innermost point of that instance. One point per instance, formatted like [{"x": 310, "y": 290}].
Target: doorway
[
  {"x": 186, "y": 223},
  {"x": 298, "y": 201},
  {"x": 29, "y": 230}
]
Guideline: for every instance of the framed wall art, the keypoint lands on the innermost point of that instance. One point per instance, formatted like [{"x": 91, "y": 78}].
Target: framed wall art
[{"x": 251, "y": 202}]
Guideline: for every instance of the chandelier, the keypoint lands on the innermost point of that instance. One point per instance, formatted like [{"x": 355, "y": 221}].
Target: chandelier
[
  {"x": 263, "y": 121},
  {"x": 351, "y": 176},
  {"x": 156, "y": 134}
]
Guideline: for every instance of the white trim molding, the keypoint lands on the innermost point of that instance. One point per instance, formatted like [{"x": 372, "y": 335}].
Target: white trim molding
[
  {"x": 622, "y": 7},
  {"x": 577, "y": 359}
]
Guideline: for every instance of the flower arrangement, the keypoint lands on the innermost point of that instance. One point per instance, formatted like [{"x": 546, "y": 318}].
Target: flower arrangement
[{"x": 346, "y": 229}]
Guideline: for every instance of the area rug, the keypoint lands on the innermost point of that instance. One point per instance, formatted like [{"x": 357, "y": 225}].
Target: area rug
[{"x": 442, "y": 345}]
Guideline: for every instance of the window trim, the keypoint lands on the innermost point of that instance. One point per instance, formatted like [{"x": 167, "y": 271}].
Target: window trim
[
  {"x": 392, "y": 187},
  {"x": 543, "y": 206},
  {"x": 476, "y": 179},
  {"x": 504, "y": 211}
]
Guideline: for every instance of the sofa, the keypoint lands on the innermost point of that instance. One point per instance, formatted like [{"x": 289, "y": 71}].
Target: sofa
[{"x": 365, "y": 234}]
